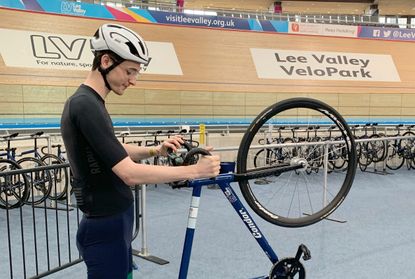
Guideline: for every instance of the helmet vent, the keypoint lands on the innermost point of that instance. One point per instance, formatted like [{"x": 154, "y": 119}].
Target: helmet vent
[{"x": 132, "y": 48}]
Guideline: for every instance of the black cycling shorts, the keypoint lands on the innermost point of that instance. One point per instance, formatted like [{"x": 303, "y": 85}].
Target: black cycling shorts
[{"x": 105, "y": 245}]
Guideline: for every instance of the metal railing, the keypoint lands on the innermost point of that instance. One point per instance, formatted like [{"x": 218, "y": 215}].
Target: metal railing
[
  {"x": 349, "y": 19},
  {"x": 39, "y": 239}
]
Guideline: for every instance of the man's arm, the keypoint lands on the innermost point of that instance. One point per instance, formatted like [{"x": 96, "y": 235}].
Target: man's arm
[
  {"x": 138, "y": 153},
  {"x": 132, "y": 173}
]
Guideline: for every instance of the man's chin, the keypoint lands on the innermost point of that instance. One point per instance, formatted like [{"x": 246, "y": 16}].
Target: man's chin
[{"x": 120, "y": 91}]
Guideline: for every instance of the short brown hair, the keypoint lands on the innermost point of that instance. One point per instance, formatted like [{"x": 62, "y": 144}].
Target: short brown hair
[{"x": 98, "y": 55}]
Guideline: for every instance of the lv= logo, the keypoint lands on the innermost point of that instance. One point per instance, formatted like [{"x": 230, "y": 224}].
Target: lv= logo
[{"x": 54, "y": 47}]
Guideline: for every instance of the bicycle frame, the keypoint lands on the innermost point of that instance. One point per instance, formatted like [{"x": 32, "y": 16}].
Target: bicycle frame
[
  {"x": 223, "y": 181},
  {"x": 10, "y": 154}
]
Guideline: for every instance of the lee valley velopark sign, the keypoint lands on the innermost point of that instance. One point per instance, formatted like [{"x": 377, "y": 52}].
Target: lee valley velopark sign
[{"x": 318, "y": 65}]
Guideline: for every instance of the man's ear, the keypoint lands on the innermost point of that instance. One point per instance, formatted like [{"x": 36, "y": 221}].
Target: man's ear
[{"x": 106, "y": 61}]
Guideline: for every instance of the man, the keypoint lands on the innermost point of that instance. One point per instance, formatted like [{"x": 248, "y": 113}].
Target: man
[{"x": 102, "y": 167}]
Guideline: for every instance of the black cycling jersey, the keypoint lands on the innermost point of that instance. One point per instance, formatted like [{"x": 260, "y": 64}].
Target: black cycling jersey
[{"x": 93, "y": 150}]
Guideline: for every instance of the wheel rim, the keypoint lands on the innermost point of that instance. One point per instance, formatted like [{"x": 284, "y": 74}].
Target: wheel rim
[{"x": 297, "y": 198}]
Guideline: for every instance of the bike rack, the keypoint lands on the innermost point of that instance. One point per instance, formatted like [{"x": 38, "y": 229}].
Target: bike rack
[
  {"x": 385, "y": 140},
  {"x": 50, "y": 246}
]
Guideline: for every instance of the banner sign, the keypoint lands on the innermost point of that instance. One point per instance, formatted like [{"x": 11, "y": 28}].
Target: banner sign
[
  {"x": 387, "y": 33},
  {"x": 75, "y": 8},
  {"x": 31, "y": 49},
  {"x": 198, "y": 20},
  {"x": 317, "y": 65},
  {"x": 135, "y": 14},
  {"x": 323, "y": 29}
]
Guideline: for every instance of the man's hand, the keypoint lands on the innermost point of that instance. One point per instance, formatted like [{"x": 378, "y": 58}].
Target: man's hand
[
  {"x": 174, "y": 143},
  {"x": 208, "y": 166}
]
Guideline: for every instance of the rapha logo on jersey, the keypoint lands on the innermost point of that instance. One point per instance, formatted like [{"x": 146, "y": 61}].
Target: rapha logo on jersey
[
  {"x": 72, "y": 8},
  {"x": 54, "y": 47},
  {"x": 251, "y": 225},
  {"x": 94, "y": 166}
]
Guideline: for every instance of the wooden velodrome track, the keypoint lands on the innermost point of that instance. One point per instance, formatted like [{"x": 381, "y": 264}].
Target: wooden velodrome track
[{"x": 219, "y": 77}]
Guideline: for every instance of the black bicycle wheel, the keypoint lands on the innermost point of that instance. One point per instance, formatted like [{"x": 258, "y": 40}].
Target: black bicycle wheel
[
  {"x": 40, "y": 181},
  {"x": 14, "y": 189},
  {"x": 264, "y": 157},
  {"x": 60, "y": 177},
  {"x": 394, "y": 158},
  {"x": 337, "y": 156},
  {"x": 293, "y": 198},
  {"x": 408, "y": 145},
  {"x": 377, "y": 148}
]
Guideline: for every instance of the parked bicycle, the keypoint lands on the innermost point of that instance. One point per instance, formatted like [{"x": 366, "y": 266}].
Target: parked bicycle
[{"x": 14, "y": 190}]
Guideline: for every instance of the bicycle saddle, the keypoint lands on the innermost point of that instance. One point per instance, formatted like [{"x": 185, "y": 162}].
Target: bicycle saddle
[
  {"x": 10, "y": 136},
  {"x": 37, "y": 134}
]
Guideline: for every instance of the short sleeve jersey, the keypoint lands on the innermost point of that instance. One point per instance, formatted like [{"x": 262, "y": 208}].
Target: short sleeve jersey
[{"x": 93, "y": 149}]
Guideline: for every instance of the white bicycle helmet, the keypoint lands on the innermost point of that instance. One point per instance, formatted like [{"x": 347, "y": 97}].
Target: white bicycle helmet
[{"x": 122, "y": 41}]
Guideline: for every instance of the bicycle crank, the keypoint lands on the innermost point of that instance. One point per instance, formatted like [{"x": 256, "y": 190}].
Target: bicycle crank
[{"x": 291, "y": 268}]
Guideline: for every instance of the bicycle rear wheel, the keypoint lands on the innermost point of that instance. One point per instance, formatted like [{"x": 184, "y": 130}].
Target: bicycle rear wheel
[
  {"x": 40, "y": 181},
  {"x": 14, "y": 189},
  {"x": 60, "y": 177},
  {"x": 295, "y": 198},
  {"x": 394, "y": 158},
  {"x": 408, "y": 145}
]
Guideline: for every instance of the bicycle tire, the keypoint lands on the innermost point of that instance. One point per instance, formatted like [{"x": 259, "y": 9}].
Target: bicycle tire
[
  {"x": 394, "y": 160},
  {"x": 8, "y": 189},
  {"x": 257, "y": 157},
  {"x": 408, "y": 145},
  {"x": 263, "y": 158},
  {"x": 259, "y": 197},
  {"x": 40, "y": 182},
  {"x": 379, "y": 154},
  {"x": 59, "y": 176},
  {"x": 338, "y": 161}
]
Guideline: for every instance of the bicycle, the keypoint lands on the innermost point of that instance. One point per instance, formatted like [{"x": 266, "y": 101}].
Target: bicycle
[
  {"x": 60, "y": 176},
  {"x": 14, "y": 190},
  {"x": 408, "y": 145},
  {"x": 370, "y": 151},
  {"x": 271, "y": 156},
  {"x": 41, "y": 181},
  {"x": 395, "y": 152},
  {"x": 262, "y": 198}
]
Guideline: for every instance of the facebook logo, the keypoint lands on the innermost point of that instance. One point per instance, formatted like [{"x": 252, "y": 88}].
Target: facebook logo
[{"x": 376, "y": 33}]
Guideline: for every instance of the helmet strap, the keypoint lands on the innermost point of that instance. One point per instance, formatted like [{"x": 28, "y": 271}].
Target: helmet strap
[{"x": 104, "y": 72}]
